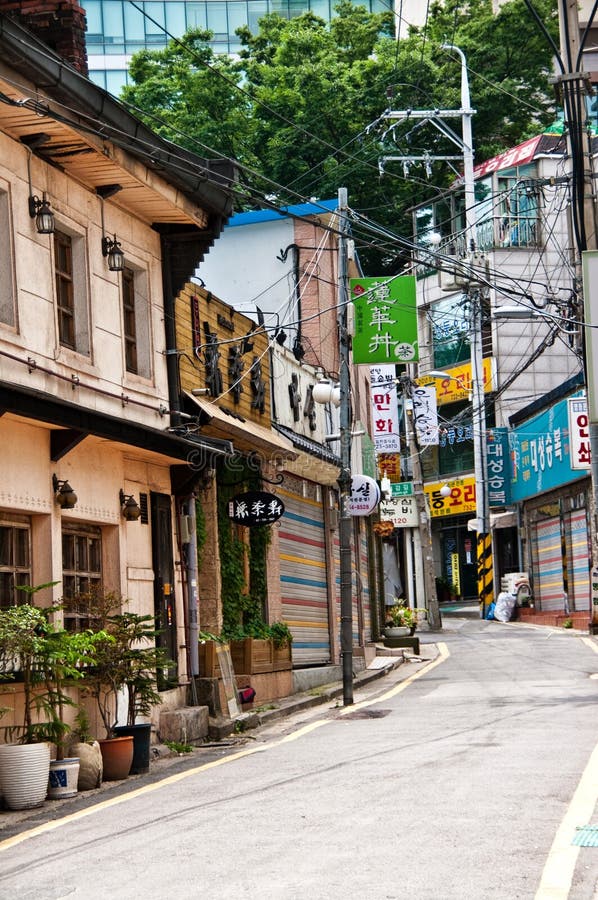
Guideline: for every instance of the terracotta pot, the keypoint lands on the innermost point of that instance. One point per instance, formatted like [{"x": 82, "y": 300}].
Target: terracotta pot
[
  {"x": 141, "y": 735},
  {"x": 117, "y": 756}
]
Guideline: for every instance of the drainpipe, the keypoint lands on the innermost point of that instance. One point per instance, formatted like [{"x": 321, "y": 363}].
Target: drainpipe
[
  {"x": 192, "y": 592},
  {"x": 172, "y": 360}
]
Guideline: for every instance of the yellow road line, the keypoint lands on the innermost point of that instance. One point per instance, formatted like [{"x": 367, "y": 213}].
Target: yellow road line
[
  {"x": 591, "y": 643},
  {"x": 560, "y": 864},
  {"x": 188, "y": 773}
]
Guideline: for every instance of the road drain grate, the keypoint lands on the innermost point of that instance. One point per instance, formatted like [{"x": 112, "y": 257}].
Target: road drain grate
[
  {"x": 367, "y": 714},
  {"x": 587, "y": 836}
]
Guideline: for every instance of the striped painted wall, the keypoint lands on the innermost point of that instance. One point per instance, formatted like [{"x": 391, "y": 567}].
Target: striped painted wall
[
  {"x": 548, "y": 564},
  {"x": 303, "y": 578},
  {"x": 578, "y": 560}
]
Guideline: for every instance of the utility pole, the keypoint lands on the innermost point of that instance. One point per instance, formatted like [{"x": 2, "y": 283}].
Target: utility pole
[
  {"x": 424, "y": 527},
  {"x": 573, "y": 86},
  {"x": 344, "y": 479}
]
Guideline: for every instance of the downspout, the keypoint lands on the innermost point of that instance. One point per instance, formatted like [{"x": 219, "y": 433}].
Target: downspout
[
  {"x": 172, "y": 359},
  {"x": 192, "y": 592}
]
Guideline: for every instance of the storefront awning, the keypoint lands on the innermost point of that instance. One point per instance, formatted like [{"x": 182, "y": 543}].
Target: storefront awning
[
  {"x": 248, "y": 436},
  {"x": 503, "y": 519}
]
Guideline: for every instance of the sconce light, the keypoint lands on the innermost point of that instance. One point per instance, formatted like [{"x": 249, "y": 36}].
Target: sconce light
[
  {"x": 280, "y": 337},
  {"x": 113, "y": 250},
  {"x": 130, "y": 508},
  {"x": 64, "y": 494},
  {"x": 39, "y": 209},
  {"x": 110, "y": 248},
  {"x": 41, "y": 212}
]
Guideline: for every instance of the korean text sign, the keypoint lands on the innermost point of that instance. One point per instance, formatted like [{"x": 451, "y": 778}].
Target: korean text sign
[
  {"x": 385, "y": 320},
  {"x": 540, "y": 453}
]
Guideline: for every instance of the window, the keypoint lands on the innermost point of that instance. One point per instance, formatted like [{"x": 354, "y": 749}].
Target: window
[
  {"x": 7, "y": 294},
  {"x": 129, "y": 330},
  {"x": 81, "y": 573},
  {"x": 71, "y": 291},
  {"x": 136, "y": 322},
  {"x": 63, "y": 264},
  {"x": 518, "y": 208},
  {"x": 15, "y": 562}
]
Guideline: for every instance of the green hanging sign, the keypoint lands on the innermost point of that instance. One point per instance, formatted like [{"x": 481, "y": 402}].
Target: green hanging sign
[{"x": 385, "y": 319}]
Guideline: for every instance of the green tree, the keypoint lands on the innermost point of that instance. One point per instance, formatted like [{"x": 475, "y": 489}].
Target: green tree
[{"x": 297, "y": 106}]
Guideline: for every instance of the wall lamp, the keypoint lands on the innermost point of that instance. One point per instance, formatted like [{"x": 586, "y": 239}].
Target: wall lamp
[
  {"x": 39, "y": 209},
  {"x": 110, "y": 248},
  {"x": 41, "y": 212},
  {"x": 130, "y": 508},
  {"x": 65, "y": 496}
]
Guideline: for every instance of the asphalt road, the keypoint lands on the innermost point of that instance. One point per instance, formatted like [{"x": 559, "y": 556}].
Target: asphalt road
[{"x": 458, "y": 779}]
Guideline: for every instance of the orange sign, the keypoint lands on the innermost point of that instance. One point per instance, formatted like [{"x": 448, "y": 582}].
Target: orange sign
[
  {"x": 460, "y": 500},
  {"x": 389, "y": 464},
  {"x": 457, "y": 383}
]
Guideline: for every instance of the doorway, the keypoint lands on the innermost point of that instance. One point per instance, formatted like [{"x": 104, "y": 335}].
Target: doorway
[{"x": 164, "y": 596}]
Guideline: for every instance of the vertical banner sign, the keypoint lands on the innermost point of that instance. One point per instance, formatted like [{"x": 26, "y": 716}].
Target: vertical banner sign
[
  {"x": 456, "y": 572},
  {"x": 579, "y": 433},
  {"x": 385, "y": 409},
  {"x": 499, "y": 473},
  {"x": 425, "y": 416},
  {"x": 385, "y": 320}
]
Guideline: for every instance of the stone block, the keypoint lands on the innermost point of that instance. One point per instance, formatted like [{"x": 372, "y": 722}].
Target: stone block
[{"x": 188, "y": 725}]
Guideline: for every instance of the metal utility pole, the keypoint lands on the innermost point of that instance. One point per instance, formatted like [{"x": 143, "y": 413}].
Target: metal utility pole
[
  {"x": 574, "y": 85},
  {"x": 344, "y": 479},
  {"x": 424, "y": 528}
]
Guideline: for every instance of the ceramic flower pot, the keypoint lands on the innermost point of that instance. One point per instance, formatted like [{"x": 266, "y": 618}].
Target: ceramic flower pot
[
  {"x": 397, "y": 631},
  {"x": 63, "y": 778},
  {"x": 117, "y": 756},
  {"x": 141, "y": 735},
  {"x": 24, "y": 770}
]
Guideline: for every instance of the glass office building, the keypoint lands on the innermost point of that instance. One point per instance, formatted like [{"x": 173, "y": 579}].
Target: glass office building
[{"x": 116, "y": 29}]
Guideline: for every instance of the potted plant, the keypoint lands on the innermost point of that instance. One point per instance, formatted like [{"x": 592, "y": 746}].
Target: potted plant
[
  {"x": 24, "y": 764},
  {"x": 127, "y": 658},
  {"x": 401, "y": 620}
]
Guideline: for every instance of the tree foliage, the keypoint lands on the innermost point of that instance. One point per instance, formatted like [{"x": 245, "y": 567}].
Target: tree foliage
[{"x": 298, "y": 107}]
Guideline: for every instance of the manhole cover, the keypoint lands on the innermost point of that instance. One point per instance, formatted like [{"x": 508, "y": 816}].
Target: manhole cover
[{"x": 367, "y": 714}]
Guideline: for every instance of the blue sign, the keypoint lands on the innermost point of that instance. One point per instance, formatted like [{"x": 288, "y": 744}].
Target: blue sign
[
  {"x": 540, "y": 454},
  {"x": 499, "y": 471}
]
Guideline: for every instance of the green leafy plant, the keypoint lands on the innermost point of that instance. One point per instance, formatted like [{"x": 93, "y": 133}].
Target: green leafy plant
[
  {"x": 568, "y": 623},
  {"x": 281, "y": 634},
  {"x": 400, "y": 615},
  {"x": 178, "y": 747}
]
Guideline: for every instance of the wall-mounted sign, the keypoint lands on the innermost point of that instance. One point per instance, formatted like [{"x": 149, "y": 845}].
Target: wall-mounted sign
[
  {"x": 255, "y": 508},
  {"x": 385, "y": 409},
  {"x": 425, "y": 417},
  {"x": 499, "y": 470},
  {"x": 457, "y": 385},
  {"x": 579, "y": 431},
  {"x": 540, "y": 451},
  {"x": 364, "y": 496},
  {"x": 460, "y": 500},
  {"x": 385, "y": 319},
  {"x": 401, "y": 511},
  {"x": 402, "y": 489}
]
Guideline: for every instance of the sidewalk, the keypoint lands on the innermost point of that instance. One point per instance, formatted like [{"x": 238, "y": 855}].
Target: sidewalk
[{"x": 165, "y": 762}]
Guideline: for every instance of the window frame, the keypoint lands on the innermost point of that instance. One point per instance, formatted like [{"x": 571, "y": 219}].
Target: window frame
[{"x": 14, "y": 569}]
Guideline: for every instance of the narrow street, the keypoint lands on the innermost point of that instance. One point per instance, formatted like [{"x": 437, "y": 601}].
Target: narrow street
[{"x": 451, "y": 781}]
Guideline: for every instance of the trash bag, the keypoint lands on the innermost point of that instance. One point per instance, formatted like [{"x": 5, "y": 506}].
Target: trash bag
[
  {"x": 503, "y": 608},
  {"x": 490, "y": 611}
]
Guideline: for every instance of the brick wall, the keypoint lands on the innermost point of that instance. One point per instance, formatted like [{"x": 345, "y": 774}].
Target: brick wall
[{"x": 61, "y": 24}]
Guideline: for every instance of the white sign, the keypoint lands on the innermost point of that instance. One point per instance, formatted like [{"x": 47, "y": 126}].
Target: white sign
[
  {"x": 401, "y": 511},
  {"x": 579, "y": 433},
  {"x": 425, "y": 416},
  {"x": 364, "y": 496},
  {"x": 385, "y": 409}
]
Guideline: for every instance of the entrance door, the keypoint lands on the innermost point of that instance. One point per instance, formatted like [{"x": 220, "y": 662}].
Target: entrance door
[
  {"x": 164, "y": 600},
  {"x": 459, "y": 560}
]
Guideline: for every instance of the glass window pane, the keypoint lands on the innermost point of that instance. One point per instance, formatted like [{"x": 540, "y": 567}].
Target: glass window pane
[
  {"x": 93, "y": 11},
  {"x": 237, "y": 16},
  {"x": 153, "y": 30},
  {"x": 6, "y": 591},
  {"x": 113, "y": 21},
  {"x": 21, "y": 547},
  {"x": 81, "y": 554},
  {"x": 115, "y": 81},
  {"x": 217, "y": 20},
  {"x": 196, "y": 15},
  {"x": 68, "y": 551},
  {"x": 257, "y": 10},
  {"x": 175, "y": 19},
  {"x": 95, "y": 555},
  {"x": 134, "y": 24},
  {"x": 5, "y": 546}
]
